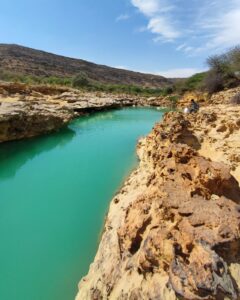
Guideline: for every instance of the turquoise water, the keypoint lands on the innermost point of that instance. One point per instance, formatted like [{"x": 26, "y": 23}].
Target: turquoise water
[{"x": 54, "y": 194}]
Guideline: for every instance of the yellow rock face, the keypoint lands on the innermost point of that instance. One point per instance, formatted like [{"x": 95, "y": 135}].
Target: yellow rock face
[{"x": 175, "y": 225}]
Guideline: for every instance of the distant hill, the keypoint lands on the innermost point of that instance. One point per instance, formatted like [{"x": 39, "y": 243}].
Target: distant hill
[{"x": 26, "y": 61}]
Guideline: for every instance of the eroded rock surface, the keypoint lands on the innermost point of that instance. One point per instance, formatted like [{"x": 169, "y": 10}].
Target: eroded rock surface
[
  {"x": 26, "y": 111},
  {"x": 217, "y": 130},
  {"x": 173, "y": 231},
  {"x": 23, "y": 120}
]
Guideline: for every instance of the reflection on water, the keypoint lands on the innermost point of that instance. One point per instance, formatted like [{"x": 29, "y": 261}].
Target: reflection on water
[{"x": 13, "y": 155}]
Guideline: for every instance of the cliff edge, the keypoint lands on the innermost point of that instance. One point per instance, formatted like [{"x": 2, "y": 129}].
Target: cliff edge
[{"x": 173, "y": 230}]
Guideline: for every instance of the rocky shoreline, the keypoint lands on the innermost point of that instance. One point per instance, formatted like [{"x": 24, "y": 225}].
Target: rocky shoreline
[
  {"x": 173, "y": 230},
  {"x": 27, "y": 111}
]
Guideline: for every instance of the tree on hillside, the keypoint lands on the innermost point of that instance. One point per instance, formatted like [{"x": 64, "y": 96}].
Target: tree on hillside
[
  {"x": 81, "y": 80},
  {"x": 234, "y": 57},
  {"x": 223, "y": 71}
]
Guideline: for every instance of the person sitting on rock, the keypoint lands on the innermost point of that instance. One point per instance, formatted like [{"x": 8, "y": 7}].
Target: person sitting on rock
[{"x": 194, "y": 107}]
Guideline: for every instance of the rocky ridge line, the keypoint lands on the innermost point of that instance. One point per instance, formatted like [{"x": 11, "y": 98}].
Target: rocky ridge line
[{"x": 21, "y": 60}]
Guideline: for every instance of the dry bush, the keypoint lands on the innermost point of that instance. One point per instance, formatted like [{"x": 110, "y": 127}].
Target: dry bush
[{"x": 213, "y": 83}]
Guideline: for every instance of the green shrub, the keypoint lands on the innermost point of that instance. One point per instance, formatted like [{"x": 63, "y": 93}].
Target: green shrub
[
  {"x": 81, "y": 81},
  {"x": 173, "y": 100},
  {"x": 119, "y": 88},
  {"x": 195, "y": 82},
  {"x": 167, "y": 91},
  {"x": 30, "y": 79},
  {"x": 223, "y": 71},
  {"x": 192, "y": 83},
  {"x": 214, "y": 83}
]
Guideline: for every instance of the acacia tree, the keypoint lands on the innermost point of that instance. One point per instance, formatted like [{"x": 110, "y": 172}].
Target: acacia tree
[
  {"x": 224, "y": 70},
  {"x": 234, "y": 58}
]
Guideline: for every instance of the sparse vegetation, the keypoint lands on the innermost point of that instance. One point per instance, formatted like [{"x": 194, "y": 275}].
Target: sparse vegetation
[
  {"x": 195, "y": 82},
  {"x": 31, "y": 62},
  {"x": 224, "y": 71},
  {"x": 51, "y": 80},
  {"x": 213, "y": 83},
  {"x": 192, "y": 83},
  {"x": 125, "y": 89},
  {"x": 81, "y": 81},
  {"x": 167, "y": 91},
  {"x": 173, "y": 100}
]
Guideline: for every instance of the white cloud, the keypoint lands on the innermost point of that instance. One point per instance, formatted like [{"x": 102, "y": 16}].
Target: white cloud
[
  {"x": 160, "y": 22},
  {"x": 161, "y": 26},
  {"x": 218, "y": 28},
  {"x": 226, "y": 30},
  {"x": 180, "y": 47},
  {"x": 147, "y": 7},
  {"x": 209, "y": 26},
  {"x": 122, "y": 17},
  {"x": 152, "y": 7},
  {"x": 171, "y": 73},
  {"x": 180, "y": 73}
]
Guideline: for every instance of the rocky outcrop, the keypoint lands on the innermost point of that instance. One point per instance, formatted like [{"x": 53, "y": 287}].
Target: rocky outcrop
[
  {"x": 200, "y": 97},
  {"x": 173, "y": 230},
  {"x": 217, "y": 130},
  {"x": 224, "y": 97},
  {"x": 23, "y": 120},
  {"x": 204, "y": 99},
  {"x": 27, "y": 111}
]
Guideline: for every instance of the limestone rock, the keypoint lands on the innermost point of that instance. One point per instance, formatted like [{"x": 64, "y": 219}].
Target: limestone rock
[
  {"x": 27, "y": 119},
  {"x": 27, "y": 111},
  {"x": 173, "y": 231}
]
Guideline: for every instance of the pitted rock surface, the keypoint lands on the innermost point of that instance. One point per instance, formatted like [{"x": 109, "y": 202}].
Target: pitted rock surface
[
  {"x": 173, "y": 231},
  {"x": 20, "y": 120},
  {"x": 39, "y": 109}
]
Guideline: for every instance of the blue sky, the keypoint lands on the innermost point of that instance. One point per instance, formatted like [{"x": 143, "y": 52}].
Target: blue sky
[{"x": 167, "y": 37}]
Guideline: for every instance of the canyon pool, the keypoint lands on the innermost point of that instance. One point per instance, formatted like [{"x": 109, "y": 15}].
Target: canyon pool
[{"x": 54, "y": 194}]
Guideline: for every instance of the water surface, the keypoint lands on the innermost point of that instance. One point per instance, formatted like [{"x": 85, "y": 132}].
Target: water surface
[{"x": 54, "y": 193}]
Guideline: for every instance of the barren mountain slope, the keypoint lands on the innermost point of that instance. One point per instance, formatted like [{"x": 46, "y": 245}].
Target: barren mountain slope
[{"x": 27, "y": 61}]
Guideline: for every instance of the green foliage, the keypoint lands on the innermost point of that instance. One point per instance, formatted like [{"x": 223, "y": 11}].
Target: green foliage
[
  {"x": 81, "y": 81},
  {"x": 180, "y": 86},
  {"x": 219, "y": 64},
  {"x": 195, "y": 82},
  {"x": 214, "y": 82},
  {"x": 7, "y": 76},
  {"x": 167, "y": 91},
  {"x": 91, "y": 85},
  {"x": 224, "y": 70},
  {"x": 192, "y": 83},
  {"x": 234, "y": 58},
  {"x": 173, "y": 100}
]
